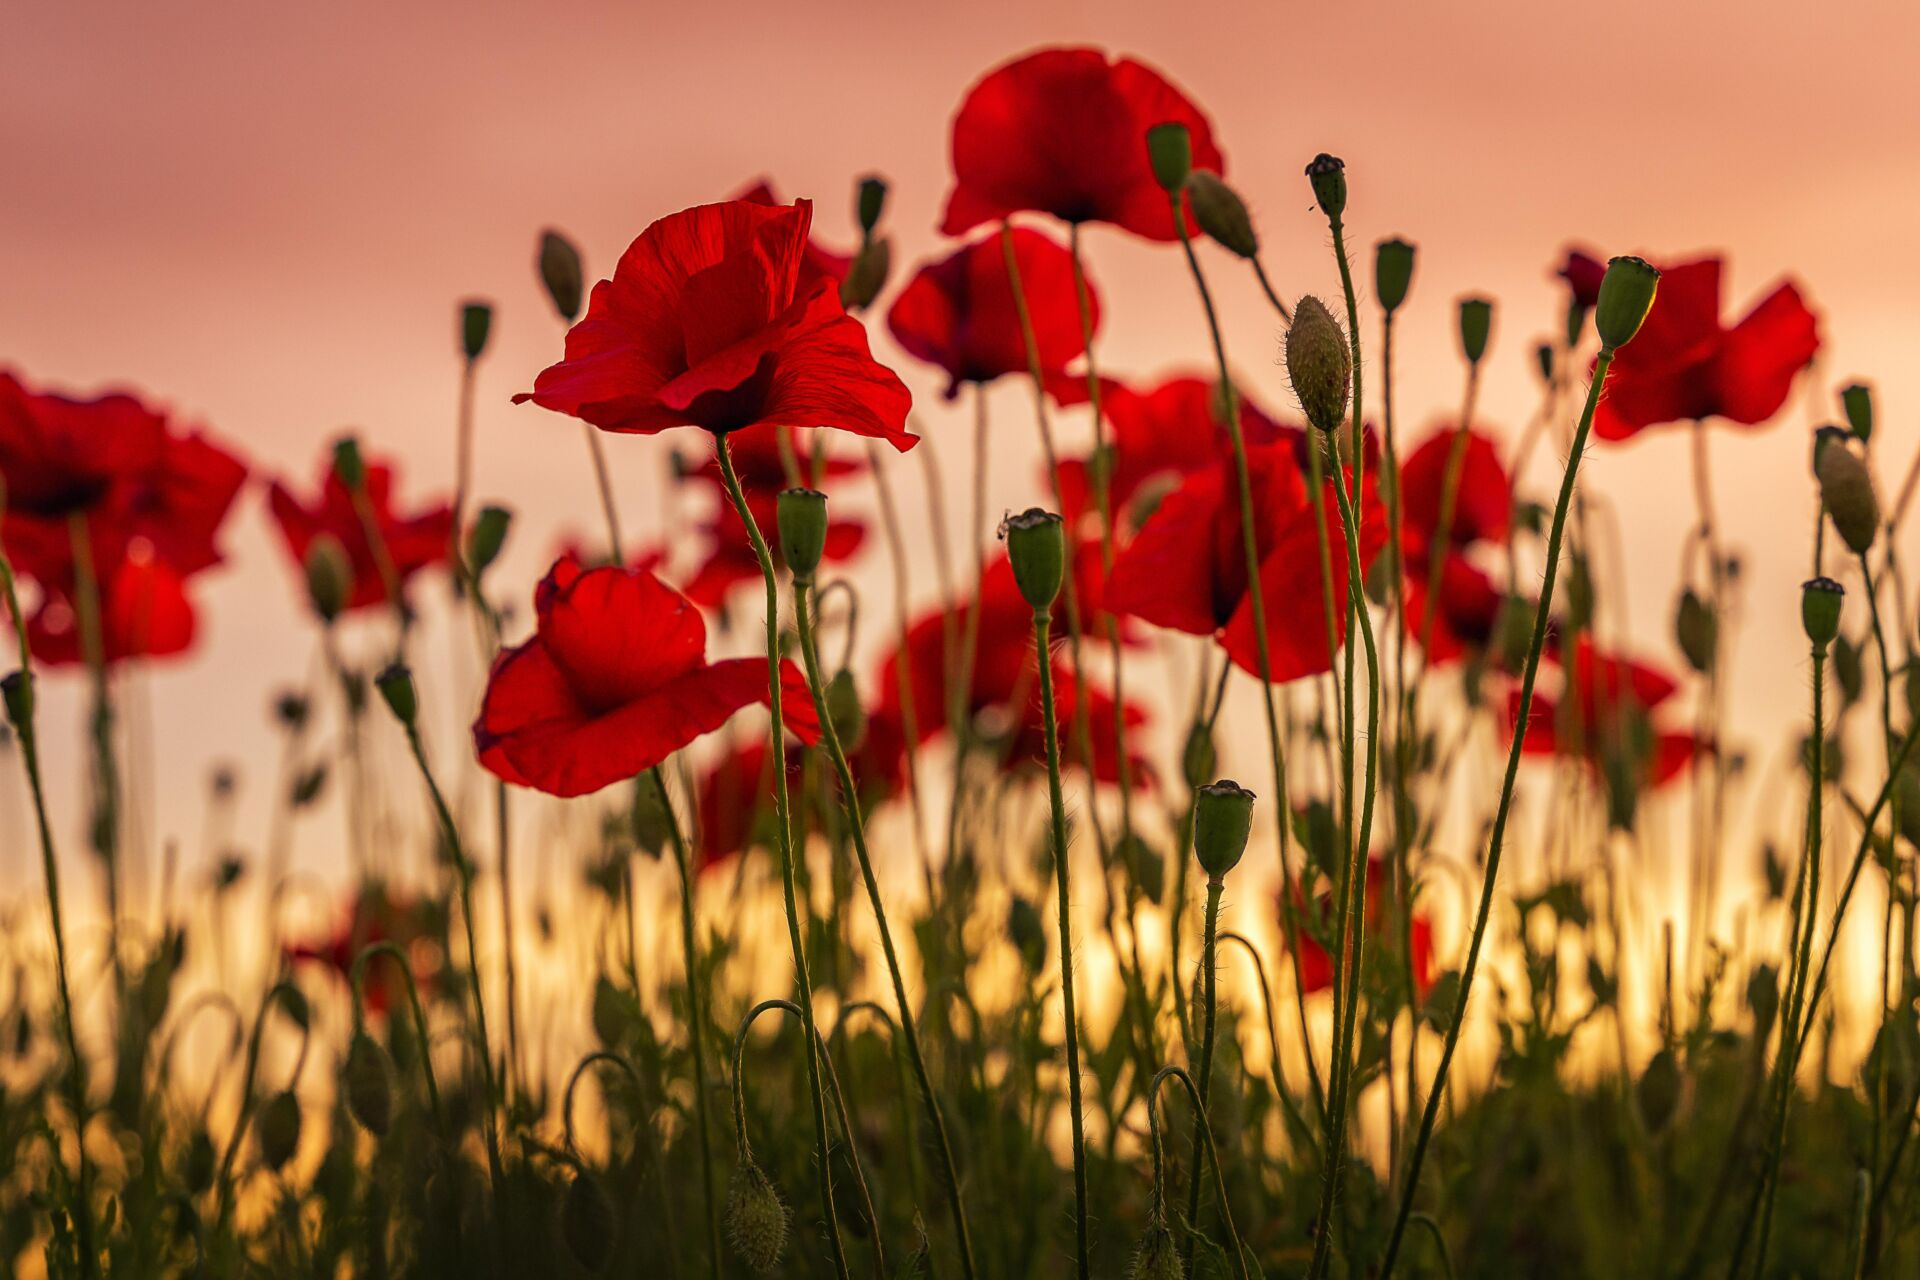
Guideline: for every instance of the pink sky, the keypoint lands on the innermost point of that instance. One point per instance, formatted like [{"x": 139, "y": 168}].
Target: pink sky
[{"x": 265, "y": 215}]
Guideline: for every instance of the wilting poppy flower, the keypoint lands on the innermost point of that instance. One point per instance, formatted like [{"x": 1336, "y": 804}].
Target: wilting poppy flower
[
  {"x": 1187, "y": 567},
  {"x": 704, "y": 324},
  {"x": 1468, "y": 606},
  {"x": 614, "y": 680},
  {"x": 734, "y": 801},
  {"x": 959, "y": 313},
  {"x": 1583, "y": 273},
  {"x": 1063, "y": 132},
  {"x": 1383, "y": 938},
  {"x": 1684, "y": 365},
  {"x": 411, "y": 542},
  {"x": 818, "y": 262},
  {"x": 374, "y": 914}
]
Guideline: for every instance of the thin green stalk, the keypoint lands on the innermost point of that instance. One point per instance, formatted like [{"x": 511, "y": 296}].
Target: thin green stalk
[
  {"x": 1208, "y": 967},
  {"x": 616, "y": 549},
  {"x": 784, "y": 841},
  {"x": 1237, "y": 1247},
  {"x": 106, "y": 773},
  {"x": 960, "y": 682},
  {"x": 1497, "y": 840},
  {"x": 357, "y": 979}
]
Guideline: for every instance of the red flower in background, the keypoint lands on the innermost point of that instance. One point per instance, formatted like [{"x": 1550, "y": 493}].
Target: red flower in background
[
  {"x": 614, "y": 680},
  {"x": 1583, "y": 273},
  {"x": 1469, "y": 603},
  {"x": 1064, "y": 132},
  {"x": 817, "y": 262},
  {"x": 1684, "y": 365},
  {"x": 959, "y": 313},
  {"x": 144, "y": 613},
  {"x": 734, "y": 802},
  {"x": 1187, "y": 567},
  {"x": 411, "y": 542},
  {"x": 373, "y": 914},
  {"x": 1316, "y": 965},
  {"x": 60, "y": 457},
  {"x": 704, "y": 324},
  {"x": 1605, "y": 720}
]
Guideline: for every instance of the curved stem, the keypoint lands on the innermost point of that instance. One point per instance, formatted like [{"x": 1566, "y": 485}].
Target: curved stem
[
  {"x": 357, "y": 979},
  {"x": 1213, "y": 1154}
]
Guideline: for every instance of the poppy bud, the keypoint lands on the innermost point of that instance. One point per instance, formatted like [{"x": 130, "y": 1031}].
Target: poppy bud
[
  {"x": 870, "y": 202},
  {"x": 1037, "y": 548},
  {"x": 1392, "y": 273},
  {"x": 1028, "y": 935},
  {"x": 18, "y": 689},
  {"x": 1476, "y": 326},
  {"x": 1626, "y": 295},
  {"x": 649, "y": 818},
  {"x": 347, "y": 463},
  {"x": 756, "y": 1218},
  {"x": 1222, "y": 821},
  {"x": 1158, "y": 1256},
  {"x": 1318, "y": 363},
  {"x": 1658, "y": 1092},
  {"x": 1846, "y": 490},
  {"x": 1857, "y": 399},
  {"x": 277, "y": 1130},
  {"x": 802, "y": 516},
  {"x": 476, "y": 322},
  {"x": 1329, "y": 177},
  {"x": 368, "y": 1085},
  {"x": 1820, "y": 600},
  {"x": 396, "y": 690},
  {"x": 1170, "y": 153},
  {"x": 1763, "y": 998},
  {"x": 867, "y": 274},
  {"x": 844, "y": 710},
  {"x": 1543, "y": 356},
  {"x": 1697, "y": 632},
  {"x": 560, "y": 271},
  {"x": 1222, "y": 214},
  {"x": 486, "y": 537},
  {"x": 329, "y": 576},
  {"x": 1198, "y": 759},
  {"x": 586, "y": 1222},
  {"x": 202, "y": 1159}
]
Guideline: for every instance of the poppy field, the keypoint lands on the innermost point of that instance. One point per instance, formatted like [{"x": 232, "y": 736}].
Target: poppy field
[{"x": 1247, "y": 852}]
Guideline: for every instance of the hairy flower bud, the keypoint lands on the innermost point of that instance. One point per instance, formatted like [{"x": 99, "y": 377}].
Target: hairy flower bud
[
  {"x": 1157, "y": 1257},
  {"x": 1318, "y": 363},
  {"x": 395, "y": 683},
  {"x": 802, "y": 518},
  {"x": 1476, "y": 327},
  {"x": 1626, "y": 295},
  {"x": 849, "y": 717},
  {"x": 18, "y": 688},
  {"x": 867, "y": 274},
  {"x": 277, "y": 1129},
  {"x": 1820, "y": 601},
  {"x": 486, "y": 537},
  {"x": 1037, "y": 548},
  {"x": 1170, "y": 152},
  {"x": 476, "y": 322},
  {"x": 329, "y": 576},
  {"x": 561, "y": 273},
  {"x": 367, "y": 1082},
  {"x": 587, "y": 1222},
  {"x": 870, "y": 201},
  {"x": 1027, "y": 932},
  {"x": 1222, "y": 214},
  {"x": 1846, "y": 490},
  {"x": 1222, "y": 821},
  {"x": 1857, "y": 399},
  {"x": 1392, "y": 273},
  {"x": 1197, "y": 760},
  {"x": 756, "y": 1218},
  {"x": 1543, "y": 357},
  {"x": 348, "y": 464},
  {"x": 1697, "y": 631},
  {"x": 1329, "y": 177}
]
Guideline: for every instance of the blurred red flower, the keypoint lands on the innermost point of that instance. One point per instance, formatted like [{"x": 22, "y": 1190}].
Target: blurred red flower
[
  {"x": 374, "y": 914},
  {"x": 1605, "y": 720},
  {"x": 614, "y": 680},
  {"x": 959, "y": 313},
  {"x": 1316, "y": 963},
  {"x": 144, "y": 613},
  {"x": 1469, "y": 603},
  {"x": 1064, "y": 132},
  {"x": 704, "y": 324},
  {"x": 1583, "y": 273},
  {"x": 1684, "y": 365},
  {"x": 411, "y": 542},
  {"x": 734, "y": 801}
]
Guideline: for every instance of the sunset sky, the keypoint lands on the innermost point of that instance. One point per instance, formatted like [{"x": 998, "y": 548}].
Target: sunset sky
[{"x": 264, "y": 215}]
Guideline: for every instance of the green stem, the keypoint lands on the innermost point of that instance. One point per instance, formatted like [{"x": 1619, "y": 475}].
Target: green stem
[
  {"x": 358, "y": 977},
  {"x": 1209, "y": 965},
  {"x": 1213, "y": 1155}
]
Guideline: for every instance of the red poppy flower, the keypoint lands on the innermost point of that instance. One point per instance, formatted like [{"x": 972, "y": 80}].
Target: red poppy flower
[
  {"x": 1187, "y": 567},
  {"x": 144, "y": 613},
  {"x": 60, "y": 455},
  {"x": 818, "y": 262},
  {"x": 959, "y": 313},
  {"x": 614, "y": 680},
  {"x": 1064, "y": 132},
  {"x": 1684, "y": 365},
  {"x": 1583, "y": 273},
  {"x": 734, "y": 801},
  {"x": 704, "y": 325},
  {"x": 1316, "y": 964},
  {"x": 1607, "y": 721},
  {"x": 412, "y": 542},
  {"x": 374, "y": 914},
  {"x": 1469, "y": 603}
]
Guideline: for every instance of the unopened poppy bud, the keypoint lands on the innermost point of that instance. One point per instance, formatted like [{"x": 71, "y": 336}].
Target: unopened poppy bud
[
  {"x": 1222, "y": 214},
  {"x": 648, "y": 818},
  {"x": 1697, "y": 631},
  {"x": 1820, "y": 600},
  {"x": 201, "y": 1162},
  {"x": 756, "y": 1218},
  {"x": 1626, "y": 295},
  {"x": 1476, "y": 326},
  {"x": 870, "y": 202},
  {"x": 347, "y": 463},
  {"x": 587, "y": 1222},
  {"x": 802, "y": 516},
  {"x": 867, "y": 274},
  {"x": 1198, "y": 759},
  {"x": 487, "y": 536},
  {"x": 329, "y": 576},
  {"x": 18, "y": 689},
  {"x": 561, "y": 273},
  {"x": 277, "y": 1129},
  {"x": 395, "y": 683},
  {"x": 1392, "y": 273},
  {"x": 476, "y": 322},
  {"x": 1857, "y": 399},
  {"x": 1222, "y": 821},
  {"x": 368, "y": 1084},
  {"x": 1170, "y": 153},
  {"x": 1846, "y": 490},
  {"x": 844, "y": 710},
  {"x": 1329, "y": 177},
  {"x": 1318, "y": 363},
  {"x": 1037, "y": 548},
  {"x": 1158, "y": 1256},
  {"x": 1028, "y": 935},
  {"x": 1543, "y": 357}
]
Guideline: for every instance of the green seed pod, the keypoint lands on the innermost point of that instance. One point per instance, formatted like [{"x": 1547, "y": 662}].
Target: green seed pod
[
  {"x": 587, "y": 1222},
  {"x": 1329, "y": 177},
  {"x": 1820, "y": 600},
  {"x": 18, "y": 689},
  {"x": 756, "y": 1218},
  {"x": 844, "y": 709},
  {"x": 1157, "y": 1257},
  {"x": 1170, "y": 152},
  {"x": 1697, "y": 632},
  {"x": 476, "y": 322},
  {"x": 802, "y": 517},
  {"x": 1318, "y": 363},
  {"x": 487, "y": 536},
  {"x": 329, "y": 576},
  {"x": 1476, "y": 327},
  {"x": 1392, "y": 273},
  {"x": 367, "y": 1081},
  {"x": 348, "y": 464},
  {"x": 561, "y": 273},
  {"x": 395, "y": 683},
  {"x": 1222, "y": 822},
  {"x": 867, "y": 274},
  {"x": 1028, "y": 934},
  {"x": 1037, "y": 548},
  {"x": 277, "y": 1130},
  {"x": 1222, "y": 214},
  {"x": 1846, "y": 490},
  {"x": 1626, "y": 295},
  {"x": 870, "y": 201},
  {"x": 1857, "y": 399}
]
